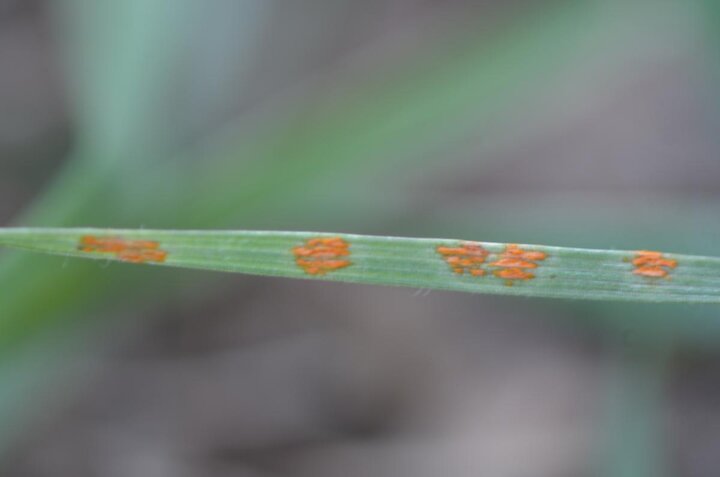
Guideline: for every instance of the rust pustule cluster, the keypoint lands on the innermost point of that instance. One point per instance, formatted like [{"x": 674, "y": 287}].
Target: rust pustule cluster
[
  {"x": 322, "y": 255},
  {"x": 514, "y": 263},
  {"x": 653, "y": 264},
  {"x": 469, "y": 257},
  {"x": 131, "y": 251}
]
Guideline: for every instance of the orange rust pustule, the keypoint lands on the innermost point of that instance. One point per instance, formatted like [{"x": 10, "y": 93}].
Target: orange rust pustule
[
  {"x": 142, "y": 255},
  {"x": 469, "y": 257},
  {"x": 513, "y": 250},
  {"x": 652, "y": 272},
  {"x": 513, "y": 274},
  {"x": 89, "y": 243},
  {"x": 514, "y": 263},
  {"x": 322, "y": 255},
  {"x": 131, "y": 251},
  {"x": 653, "y": 264}
]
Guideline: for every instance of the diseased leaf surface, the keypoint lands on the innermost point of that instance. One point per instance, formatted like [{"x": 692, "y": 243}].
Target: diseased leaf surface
[{"x": 460, "y": 265}]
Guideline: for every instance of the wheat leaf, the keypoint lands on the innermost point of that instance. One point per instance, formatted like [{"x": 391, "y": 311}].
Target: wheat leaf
[{"x": 447, "y": 264}]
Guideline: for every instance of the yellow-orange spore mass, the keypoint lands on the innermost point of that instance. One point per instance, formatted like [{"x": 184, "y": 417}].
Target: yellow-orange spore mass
[
  {"x": 90, "y": 243},
  {"x": 514, "y": 262},
  {"x": 513, "y": 274},
  {"x": 322, "y": 255},
  {"x": 131, "y": 251},
  {"x": 652, "y": 264},
  {"x": 469, "y": 258}
]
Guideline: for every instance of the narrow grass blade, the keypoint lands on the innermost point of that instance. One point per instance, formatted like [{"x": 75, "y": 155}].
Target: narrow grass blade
[{"x": 476, "y": 267}]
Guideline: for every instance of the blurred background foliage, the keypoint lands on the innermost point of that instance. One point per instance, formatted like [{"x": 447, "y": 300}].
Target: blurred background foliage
[{"x": 587, "y": 123}]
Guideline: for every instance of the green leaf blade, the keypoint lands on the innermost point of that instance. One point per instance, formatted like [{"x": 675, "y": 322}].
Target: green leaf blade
[{"x": 537, "y": 271}]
